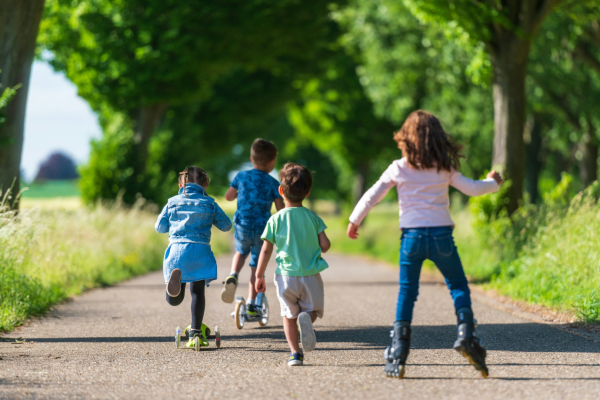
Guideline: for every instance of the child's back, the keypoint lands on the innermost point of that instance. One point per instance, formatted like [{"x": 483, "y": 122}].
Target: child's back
[
  {"x": 422, "y": 194},
  {"x": 256, "y": 192}
]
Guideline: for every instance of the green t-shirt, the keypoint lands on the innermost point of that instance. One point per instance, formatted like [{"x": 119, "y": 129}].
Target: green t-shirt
[{"x": 295, "y": 233}]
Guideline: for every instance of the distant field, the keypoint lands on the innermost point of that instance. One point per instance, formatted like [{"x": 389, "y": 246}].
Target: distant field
[{"x": 49, "y": 189}]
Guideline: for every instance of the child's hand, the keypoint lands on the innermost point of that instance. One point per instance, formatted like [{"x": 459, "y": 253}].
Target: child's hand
[
  {"x": 260, "y": 285},
  {"x": 352, "y": 231},
  {"x": 495, "y": 176}
]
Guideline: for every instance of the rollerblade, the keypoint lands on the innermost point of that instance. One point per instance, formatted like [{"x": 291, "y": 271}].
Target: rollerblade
[
  {"x": 468, "y": 343},
  {"x": 396, "y": 355},
  {"x": 258, "y": 312}
]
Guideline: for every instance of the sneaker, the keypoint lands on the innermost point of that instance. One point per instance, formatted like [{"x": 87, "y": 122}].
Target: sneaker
[
  {"x": 228, "y": 292},
  {"x": 252, "y": 310},
  {"x": 202, "y": 333},
  {"x": 308, "y": 339},
  {"x": 174, "y": 284},
  {"x": 296, "y": 359}
]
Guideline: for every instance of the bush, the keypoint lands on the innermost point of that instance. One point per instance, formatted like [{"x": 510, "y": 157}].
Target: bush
[{"x": 549, "y": 253}]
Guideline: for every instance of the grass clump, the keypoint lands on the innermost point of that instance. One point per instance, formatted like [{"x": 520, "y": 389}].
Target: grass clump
[{"x": 47, "y": 255}]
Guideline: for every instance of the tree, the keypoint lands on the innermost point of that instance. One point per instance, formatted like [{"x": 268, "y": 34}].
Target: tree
[
  {"x": 568, "y": 82},
  {"x": 140, "y": 57},
  {"x": 505, "y": 28},
  {"x": 337, "y": 117},
  {"x": 19, "y": 22},
  {"x": 405, "y": 65}
]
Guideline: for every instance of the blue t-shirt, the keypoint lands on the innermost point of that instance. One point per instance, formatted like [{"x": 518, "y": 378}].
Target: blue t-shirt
[{"x": 256, "y": 192}]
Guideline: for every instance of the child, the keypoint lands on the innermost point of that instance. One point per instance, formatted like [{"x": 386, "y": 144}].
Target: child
[
  {"x": 188, "y": 218},
  {"x": 300, "y": 238},
  {"x": 430, "y": 164},
  {"x": 256, "y": 191}
]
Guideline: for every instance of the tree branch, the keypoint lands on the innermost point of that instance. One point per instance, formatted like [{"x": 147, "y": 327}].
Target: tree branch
[
  {"x": 560, "y": 102},
  {"x": 542, "y": 9},
  {"x": 584, "y": 54}
]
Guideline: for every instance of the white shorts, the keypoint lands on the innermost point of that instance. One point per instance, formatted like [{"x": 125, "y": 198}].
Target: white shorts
[{"x": 298, "y": 294}]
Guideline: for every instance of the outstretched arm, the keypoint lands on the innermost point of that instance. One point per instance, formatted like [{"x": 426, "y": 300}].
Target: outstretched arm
[
  {"x": 162, "y": 223},
  {"x": 263, "y": 260},
  {"x": 368, "y": 201},
  {"x": 472, "y": 187}
]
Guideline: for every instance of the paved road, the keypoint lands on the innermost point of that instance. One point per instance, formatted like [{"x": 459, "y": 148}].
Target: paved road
[{"x": 117, "y": 343}]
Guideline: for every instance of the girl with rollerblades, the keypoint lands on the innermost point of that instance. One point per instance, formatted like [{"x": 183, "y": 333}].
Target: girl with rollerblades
[
  {"x": 422, "y": 177},
  {"x": 188, "y": 218}
]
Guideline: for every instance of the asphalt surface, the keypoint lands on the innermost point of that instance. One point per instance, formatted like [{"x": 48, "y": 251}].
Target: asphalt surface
[{"x": 118, "y": 342}]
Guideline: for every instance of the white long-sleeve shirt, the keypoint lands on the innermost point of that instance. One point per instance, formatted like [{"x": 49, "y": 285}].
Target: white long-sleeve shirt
[{"x": 422, "y": 194}]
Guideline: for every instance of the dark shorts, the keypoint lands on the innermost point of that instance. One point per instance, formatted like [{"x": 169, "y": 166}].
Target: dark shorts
[{"x": 248, "y": 241}]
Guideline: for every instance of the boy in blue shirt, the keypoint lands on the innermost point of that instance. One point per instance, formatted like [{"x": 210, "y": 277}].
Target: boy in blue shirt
[
  {"x": 255, "y": 191},
  {"x": 300, "y": 238}
]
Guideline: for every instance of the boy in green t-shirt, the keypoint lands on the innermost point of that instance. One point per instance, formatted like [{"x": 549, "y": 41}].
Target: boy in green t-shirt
[{"x": 300, "y": 238}]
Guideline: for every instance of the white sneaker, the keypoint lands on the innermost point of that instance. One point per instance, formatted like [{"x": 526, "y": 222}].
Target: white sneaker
[
  {"x": 308, "y": 339},
  {"x": 174, "y": 284},
  {"x": 228, "y": 292}
]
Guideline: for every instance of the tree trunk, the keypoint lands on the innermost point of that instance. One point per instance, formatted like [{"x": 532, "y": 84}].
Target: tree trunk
[
  {"x": 145, "y": 124},
  {"x": 509, "y": 60},
  {"x": 588, "y": 164},
  {"x": 360, "y": 184},
  {"x": 19, "y": 24},
  {"x": 533, "y": 162}
]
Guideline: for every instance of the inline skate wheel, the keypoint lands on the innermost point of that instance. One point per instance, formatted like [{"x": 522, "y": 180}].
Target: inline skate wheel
[
  {"x": 197, "y": 343},
  {"x": 218, "y": 337},
  {"x": 240, "y": 314}
]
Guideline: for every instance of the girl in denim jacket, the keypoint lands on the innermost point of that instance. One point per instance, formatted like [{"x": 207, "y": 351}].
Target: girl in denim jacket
[
  {"x": 422, "y": 177},
  {"x": 188, "y": 217}
]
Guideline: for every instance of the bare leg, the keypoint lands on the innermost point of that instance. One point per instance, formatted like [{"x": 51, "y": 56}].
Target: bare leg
[
  {"x": 251, "y": 288},
  {"x": 290, "y": 327},
  {"x": 291, "y": 334},
  {"x": 238, "y": 262}
]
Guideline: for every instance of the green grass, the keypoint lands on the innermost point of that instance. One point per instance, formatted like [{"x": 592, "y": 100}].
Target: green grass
[
  {"x": 50, "y": 189},
  {"x": 50, "y": 254}
]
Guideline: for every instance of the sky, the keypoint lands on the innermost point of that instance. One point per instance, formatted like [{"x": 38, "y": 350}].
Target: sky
[{"x": 56, "y": 120}]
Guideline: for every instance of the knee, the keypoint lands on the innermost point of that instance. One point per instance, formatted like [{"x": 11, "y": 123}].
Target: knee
[
  {"x": 174, "y": 301},
  {"x": 408, "y": 291}
]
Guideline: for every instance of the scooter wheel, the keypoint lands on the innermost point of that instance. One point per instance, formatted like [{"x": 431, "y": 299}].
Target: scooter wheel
[
  {"x": 218, "y": 337},
  {"x": 178, "y": 340},
  {"x": 265, "y": 311},
  {"x": 240, "y": 314},
  {"x": 197, "y": 343}
]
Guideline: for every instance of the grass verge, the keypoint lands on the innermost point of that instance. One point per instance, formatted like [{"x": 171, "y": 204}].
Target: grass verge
[{"x": 49, "y": 254}]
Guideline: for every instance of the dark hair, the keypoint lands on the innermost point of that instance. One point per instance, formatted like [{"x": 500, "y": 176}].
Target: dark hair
[
  {"x": 193, "y": 175},
  {"x": 426, "y": 145},
  {"x": 296, "y": 181},
  {"x": 263, "y": 152}
]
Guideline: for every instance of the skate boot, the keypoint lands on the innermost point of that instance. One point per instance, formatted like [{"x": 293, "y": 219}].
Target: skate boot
[
  {"x": 396, "y": 355},
  {"x": 468, "y": 343}
]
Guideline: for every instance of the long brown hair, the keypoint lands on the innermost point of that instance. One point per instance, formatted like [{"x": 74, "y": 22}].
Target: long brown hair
[
  {"x": 193, "y": 175},
  {"x": 426, "y": 145}
]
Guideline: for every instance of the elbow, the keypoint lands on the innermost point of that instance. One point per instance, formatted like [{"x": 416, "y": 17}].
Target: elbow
[
  {"x": 325, "y": 247},
  {"x": 229, "y": 197}
]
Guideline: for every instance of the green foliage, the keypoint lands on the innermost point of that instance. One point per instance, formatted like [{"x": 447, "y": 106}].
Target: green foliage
[
  {"x": 404, "y": 64},
  {"x": 7, "y": 95}
]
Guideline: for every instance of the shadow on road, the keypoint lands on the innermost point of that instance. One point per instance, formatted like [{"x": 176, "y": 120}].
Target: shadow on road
[{"x": 528, "y": 337}]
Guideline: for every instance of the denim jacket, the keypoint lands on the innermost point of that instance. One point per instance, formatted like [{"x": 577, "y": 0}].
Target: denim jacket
[{"x": 189, "y": 216}]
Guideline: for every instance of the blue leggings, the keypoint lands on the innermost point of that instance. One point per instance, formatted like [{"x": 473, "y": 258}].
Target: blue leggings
[{"x": 437, "y": 245}]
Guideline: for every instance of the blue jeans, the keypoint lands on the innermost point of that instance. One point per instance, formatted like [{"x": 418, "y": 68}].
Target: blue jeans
[
  {"x": 248, "y": 241},
  {"x": 437, "y": 245}
]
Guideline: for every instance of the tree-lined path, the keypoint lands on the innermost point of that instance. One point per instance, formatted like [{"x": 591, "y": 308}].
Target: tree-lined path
[{"x": 118, "y": 342}]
